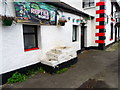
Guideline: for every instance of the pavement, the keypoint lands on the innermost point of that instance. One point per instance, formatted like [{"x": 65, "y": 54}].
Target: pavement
[{"x": 95, "y": 64}]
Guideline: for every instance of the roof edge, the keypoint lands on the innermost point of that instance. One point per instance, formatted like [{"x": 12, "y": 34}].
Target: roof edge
[{"x": 67, "y": 8}]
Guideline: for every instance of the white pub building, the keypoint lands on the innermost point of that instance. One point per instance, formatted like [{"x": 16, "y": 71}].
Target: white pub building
[{"x": 51, "y": 34}]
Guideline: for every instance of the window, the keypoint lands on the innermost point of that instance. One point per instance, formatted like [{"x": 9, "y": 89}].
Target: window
[
  {"x": 75, "y": 33},
  {"x": 88, "y": 3},
  {"x": 30, "y": 37}
]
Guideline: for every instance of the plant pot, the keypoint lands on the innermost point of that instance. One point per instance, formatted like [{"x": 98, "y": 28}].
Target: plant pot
[
  {"x": 62, "y": 23},
  {"x": 7, "y": 22}
]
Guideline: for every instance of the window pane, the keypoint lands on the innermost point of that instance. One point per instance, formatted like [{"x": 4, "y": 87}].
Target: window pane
[
  {"x": 29, "y": 29},
  {"x": 85, "y": 1},
  {"x": 29, "y": 41},
  {"x": 75, "y": 32},
  {"x": 91, "y": 0},
  {"x": 102, "y": 0},
  {"x": 86, "y": 5},
  {"x": 91, "y": 3},
  {"x": 74, "y": 35}
]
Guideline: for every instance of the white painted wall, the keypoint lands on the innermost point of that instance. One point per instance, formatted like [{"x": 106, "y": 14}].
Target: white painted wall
[
  {"x": 49, "y": 37},
  {"x": 11, "y": 38},
  {"x": 14, "y": 56},
  {"x": 92, "y": 10},
  {"x": 9, "y": 9},
  {"x": 54, "y": 36},
  {"x": 78, "y": 5},
  {"x": 90, "y": 38},
  {"x": 0, "y": 46},
  {"x": 108, "y": 26},
  {"x": 93, "y": 31},
  {"x": 74, "y": 3},
  {"x": 1, "y": 59}
]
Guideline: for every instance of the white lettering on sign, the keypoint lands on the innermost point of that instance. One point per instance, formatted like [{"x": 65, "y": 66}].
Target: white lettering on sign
[{"x": 42, "y": 13}]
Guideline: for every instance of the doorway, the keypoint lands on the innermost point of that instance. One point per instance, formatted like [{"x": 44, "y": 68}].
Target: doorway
[{"x": 83, "y": 28}]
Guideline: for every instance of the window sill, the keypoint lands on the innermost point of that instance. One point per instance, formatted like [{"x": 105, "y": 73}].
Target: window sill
[
  {"x": 89, "y": 7},
  {"x": 31, "y": 49}
]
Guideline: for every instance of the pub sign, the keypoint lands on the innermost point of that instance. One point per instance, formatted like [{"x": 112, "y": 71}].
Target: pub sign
[{"x": 35, "y": 12}]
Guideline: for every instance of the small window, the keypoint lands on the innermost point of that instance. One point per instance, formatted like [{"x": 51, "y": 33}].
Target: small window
[
  {"x": 75, "y": 33},
  {"x": 88, "y": 3},
  {"x": 30, "y": 37}
]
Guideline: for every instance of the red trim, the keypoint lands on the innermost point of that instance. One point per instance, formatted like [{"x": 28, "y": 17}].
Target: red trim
[
  {"x": 100, "y": 11},
  {"x": 100, "y": 34},
  {"x": 31, "y": 49},
  {"x": 100, "y": 27},
  {"x": 100, "y": 3},
  {"x": 99, "y": 41},
  {"x": 100, "y": 19},
  {"x": 111, "y": 39}
]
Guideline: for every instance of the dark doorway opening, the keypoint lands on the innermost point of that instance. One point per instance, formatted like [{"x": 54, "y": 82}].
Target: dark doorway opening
[
  {"x": 83, "y": 28},
  {"x": 118, "y": 33},
  {"x": 115, "y": 34}
]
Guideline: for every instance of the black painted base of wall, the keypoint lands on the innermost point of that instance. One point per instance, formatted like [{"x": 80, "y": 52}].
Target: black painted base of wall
[
  {"x": 87, "y": 48},
  {"x": 92, "y": 47},
  {"x": 24, "y": 70},
  {"x": 97, "y": 48},
  {"x": 47, "y": 68}
]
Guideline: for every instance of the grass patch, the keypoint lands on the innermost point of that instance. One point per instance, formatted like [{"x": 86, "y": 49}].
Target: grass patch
[
  {"x": 62, "y": 71},
  {"x": 17, "y": 77},
  {"x": 31, "y": 72},
  {"x": 41, "y": 70}
]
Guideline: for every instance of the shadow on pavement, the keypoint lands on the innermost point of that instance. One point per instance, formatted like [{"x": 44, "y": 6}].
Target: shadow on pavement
[{"x": 92, "y": 84}]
